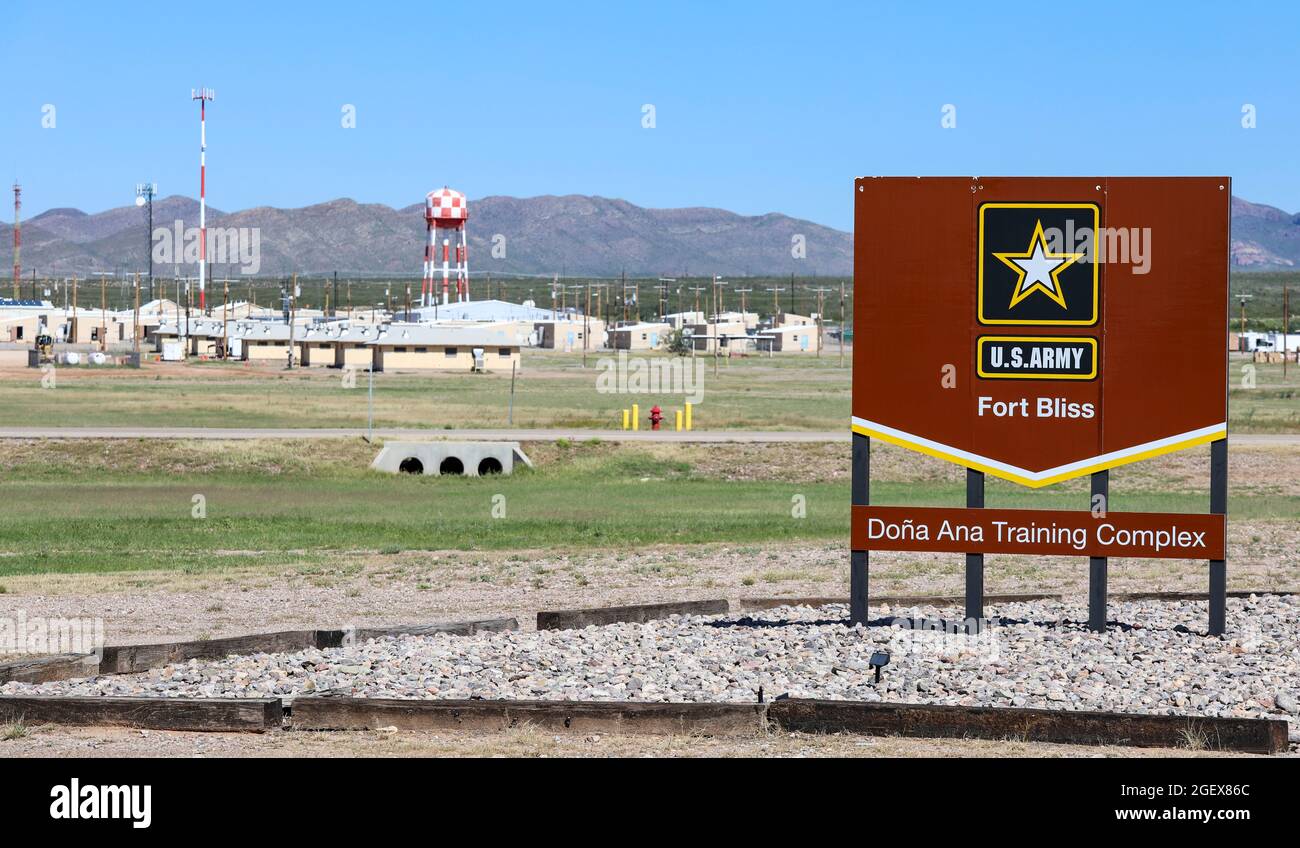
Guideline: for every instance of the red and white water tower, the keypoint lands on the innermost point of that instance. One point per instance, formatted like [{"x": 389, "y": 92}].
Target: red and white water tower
[{"x": 445, "y": 213}]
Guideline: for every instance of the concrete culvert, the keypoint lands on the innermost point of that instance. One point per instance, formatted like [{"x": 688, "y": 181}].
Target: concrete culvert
[
  {"x": 411, "y": 465},
  {"x": 451, "y": 465},
  {"x": 490, "y": 465}
]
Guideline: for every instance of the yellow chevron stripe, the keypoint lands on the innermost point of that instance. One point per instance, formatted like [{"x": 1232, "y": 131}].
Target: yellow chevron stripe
[{"x": 1046, "y": 481}]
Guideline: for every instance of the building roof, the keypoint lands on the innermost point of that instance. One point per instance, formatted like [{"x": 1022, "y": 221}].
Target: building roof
[
  {"x": 263, "y": 331},
  {"x": 437, "y": 335},
  {"x": 642, "y": 327},
  {"x": 345, "y": 332},
  {"x": 203, "y": 327},
  {"x": 480, "y": 310}
]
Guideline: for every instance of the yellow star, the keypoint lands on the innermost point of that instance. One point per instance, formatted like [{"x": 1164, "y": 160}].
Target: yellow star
[{"x": 1038, "y": 270}]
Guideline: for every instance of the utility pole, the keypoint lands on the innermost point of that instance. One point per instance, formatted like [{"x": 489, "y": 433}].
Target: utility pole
[
  {"x": 1241, "y": 336},
  {"x": 18, "y": 239},
  {"x": 1286, "y": 324},
  {"x": 776, "y": 301},
  {"x": 743, "y": 301},
  {"x": 293, "y": 305},
  {"x": 821, "y": 324},
  {"x": 135, "y": 317},
  {"x": 103, "y": 312},
  {"x": 841, "y": 323},
  {"x": 665, "y": 284},
  {"x": 72, "y": 328},
  {"x": 144, "y": 195},
  {"x": 225, "y": 318}
]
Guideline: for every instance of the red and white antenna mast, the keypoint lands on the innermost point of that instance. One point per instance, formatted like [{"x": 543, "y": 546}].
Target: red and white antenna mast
[{"x": 203, "y": 95}]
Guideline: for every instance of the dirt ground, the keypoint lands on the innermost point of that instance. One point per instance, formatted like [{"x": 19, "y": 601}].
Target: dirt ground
[
  {"x": 382, "y": 588},
  {"x": 522, "y": 742},
  {"x": 421, "y": 586}
]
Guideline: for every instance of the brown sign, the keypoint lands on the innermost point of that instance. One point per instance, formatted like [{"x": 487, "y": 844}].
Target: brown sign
[
  {"x": 1039, "y": 531},
  {"x": 1040, "y": 329}
]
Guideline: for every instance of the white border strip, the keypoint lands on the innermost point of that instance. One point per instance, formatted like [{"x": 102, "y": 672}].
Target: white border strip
[{"x": 1050, "y": 472}]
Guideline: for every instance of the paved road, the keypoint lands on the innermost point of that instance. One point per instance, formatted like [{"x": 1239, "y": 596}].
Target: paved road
[
  {"x": 386, "y": 433},
  {"x": 545, "y": 435}
]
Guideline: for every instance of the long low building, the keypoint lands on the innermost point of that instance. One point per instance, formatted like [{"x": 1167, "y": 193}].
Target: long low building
[
  {"x": 645, "y": 336},
  {"x": 391, "y": 347},
  {"x": 435, "y": 348}
]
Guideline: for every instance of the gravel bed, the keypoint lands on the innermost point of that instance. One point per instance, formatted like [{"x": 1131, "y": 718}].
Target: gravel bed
[{"x": 1037, "y": 654}]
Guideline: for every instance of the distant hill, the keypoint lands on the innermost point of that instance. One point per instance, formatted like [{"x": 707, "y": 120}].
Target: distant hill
[
  {"x": 573, "y": 235},
  {"x": 1264, "y": 238}
]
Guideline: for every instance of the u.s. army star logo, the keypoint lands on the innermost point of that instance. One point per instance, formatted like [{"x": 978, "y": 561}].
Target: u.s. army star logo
[
  {"x": 1038, "y": 269},
  {"x": 1036, "y": 263}
]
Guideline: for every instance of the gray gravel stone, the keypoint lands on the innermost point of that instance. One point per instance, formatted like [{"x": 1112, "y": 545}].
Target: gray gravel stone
[{"x": 1042, "y": 657}]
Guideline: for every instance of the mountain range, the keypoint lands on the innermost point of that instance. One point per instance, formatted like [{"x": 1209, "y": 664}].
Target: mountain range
[{"x": 572, "y": 235}]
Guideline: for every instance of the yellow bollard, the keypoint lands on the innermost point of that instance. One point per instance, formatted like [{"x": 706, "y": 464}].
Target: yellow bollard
[
  {"x": 625, "y": 419},
  {"x": 636, "y": 419},
  {"x": 679, "y": 420},
  {"x": 689, "y": 407}
]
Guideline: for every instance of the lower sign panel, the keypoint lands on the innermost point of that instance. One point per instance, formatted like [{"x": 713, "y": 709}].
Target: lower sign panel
[{"x": 1038, "y": 531}]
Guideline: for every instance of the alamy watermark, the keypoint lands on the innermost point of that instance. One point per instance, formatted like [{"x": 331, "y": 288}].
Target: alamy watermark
[
  {"x": 970, "y": 639},
  {"x": 40, "y": 635},
  {"x": 179, "y": 245},
  {"x": 1106, "y": 246},
  {"x": 657, "y": 375}
]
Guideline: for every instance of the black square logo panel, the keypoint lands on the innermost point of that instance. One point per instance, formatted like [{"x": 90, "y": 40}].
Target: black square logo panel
[{"x": 1037, "y": 263}]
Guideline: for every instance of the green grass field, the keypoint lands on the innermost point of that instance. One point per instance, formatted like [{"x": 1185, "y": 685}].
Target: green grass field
[
  {"x": 1264, "y": 306},
  {"x": 95, "y": 506},
  {"x": 552, "y": 390},
  {"x": 793, "y": 392}
]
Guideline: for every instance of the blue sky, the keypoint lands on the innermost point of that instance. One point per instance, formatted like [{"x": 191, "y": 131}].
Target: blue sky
[{"x": 758, "y": 107}]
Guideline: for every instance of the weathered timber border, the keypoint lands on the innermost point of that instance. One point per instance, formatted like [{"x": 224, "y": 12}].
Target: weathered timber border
[
  {"x": 638, "y": 614},
  {"x": 133, "y": 659},
  {"x": 49, "y": 668},
  {"x": 1258, "y": 736},
  {"x": 748, "y": 604},
  {"x": 708, "y": 719},
  {"x": 230, "y": 715},
  {"x": 323, "y": 713},
  {"x": 917, "y": 600},
  {"x": 129, "y": 659},
  {"x": 334, "y": 638}
]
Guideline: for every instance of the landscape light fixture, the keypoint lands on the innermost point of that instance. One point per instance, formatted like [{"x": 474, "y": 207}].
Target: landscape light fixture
[{"x": 878, "y": 660}]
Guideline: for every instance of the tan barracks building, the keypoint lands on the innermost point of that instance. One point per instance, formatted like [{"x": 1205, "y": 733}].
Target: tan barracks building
[{"x": 422, "y": 347}]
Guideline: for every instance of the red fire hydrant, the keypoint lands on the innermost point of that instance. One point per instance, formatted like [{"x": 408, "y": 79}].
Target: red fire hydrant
[{"x": 656, "y": 415}]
